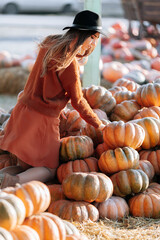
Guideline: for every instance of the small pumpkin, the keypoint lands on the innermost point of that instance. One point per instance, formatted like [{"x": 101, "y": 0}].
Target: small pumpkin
[
  {"x": 74, "y": 210},
  {"x": 76, "y": 147},
  {"x": 130, "y": 85},
  {"x": 118, "y": 159},
  {"x": 114, "y": 208},
  {"x": 88, "y": 187},
  {"x": 153, "y": 111},
  {"x": 129, "y": 181},
  {"x": 124, "y": 95}
]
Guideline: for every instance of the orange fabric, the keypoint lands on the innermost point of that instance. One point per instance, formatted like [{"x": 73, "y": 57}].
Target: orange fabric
[
  {"x": 32, "y": 137},
  {"x": 32, "y": 133}
]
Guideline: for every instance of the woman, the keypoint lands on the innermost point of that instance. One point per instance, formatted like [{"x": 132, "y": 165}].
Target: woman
[{"x": 32, "y": 132}]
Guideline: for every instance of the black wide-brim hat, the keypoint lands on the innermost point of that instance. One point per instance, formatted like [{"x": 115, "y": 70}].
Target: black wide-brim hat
[{"x": 87, "y": 20}]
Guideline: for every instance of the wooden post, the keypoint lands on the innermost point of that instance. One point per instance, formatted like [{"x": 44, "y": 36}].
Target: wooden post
[{"x": 91, "y": 75}]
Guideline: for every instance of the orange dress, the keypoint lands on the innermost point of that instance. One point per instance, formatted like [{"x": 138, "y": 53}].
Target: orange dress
[{"x": 32, "y": 132}]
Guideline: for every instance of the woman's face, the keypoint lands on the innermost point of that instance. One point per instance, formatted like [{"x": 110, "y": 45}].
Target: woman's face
[{"x": 88, "y": 46}]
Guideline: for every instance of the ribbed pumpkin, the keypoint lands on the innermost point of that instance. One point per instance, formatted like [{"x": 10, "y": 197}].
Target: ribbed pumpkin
[
  {"x": 148, "y": 168},
  {"x": 100, "y": 97},
  {"x": 74, "y": 210},
  {"x": 129, "y": 181},
  {"x": 56, "y": 192},
  {"x": 115, "y": 89},
  {"x": 153, "y": 111},
  {"x": 130, "y": 85},
  {"x": 151, "y": 127},
  {"x": 102, "y": 147},
  {"x": 34, "y": 194},
  {"x": 76, "y": 147},
  {"x": 153, "y": 156},
  {"x": 87, "y": 187},
  {"x": 153, "y": 187},
  {"x": 24, "y": 232},
  {"x": 12, "y": 211},
  {"x": 118, "y": 159},
  {"x": 124, "y": 95},
  {"x": 83, "y": 165},
  {"x": 47, "y": 225},
  {"x": 5, "y": 234},
  {"x": 124, "y": 111},
  {"x": 148, "y": 95},
  {"x": 120, "y": 134},
  {"x": 114, "y": 208},
  {"x": 145, "y": 205}
]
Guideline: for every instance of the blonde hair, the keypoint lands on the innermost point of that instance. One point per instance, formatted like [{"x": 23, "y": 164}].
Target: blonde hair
[{"x": 58, "y": 48}]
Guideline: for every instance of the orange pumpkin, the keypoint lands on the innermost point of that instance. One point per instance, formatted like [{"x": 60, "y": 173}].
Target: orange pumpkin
[
  {"x": 47, "y": 225},
  {"x": 130, "y": 85},
  {"x": 129, "y": 181},
  {"x": 124, "y": 111},
  {"x": 120, "y": 134},
  {"x": 145, "y": 205},
  {"x": 84, "y": 165},
  {"x": 147, "y": 167},
  {"x": 5, "y": 234},
  {"x": 24, "y": 232},
  {"x": 153, "y": 111},
  {"x": 56, "y": 192},
  {"x": 114, "y": 208},
  {"x": 74, "y": 210},
  {"x": 87, "y": 187},
  {"x": 12, "y": 211},
  {"x": 34, "y": 194},
  {"x": 153, "y": 187},
  {"x": 76, "y": 147},
  {"x": 124, "y": 95},
  {"x": 112, "y": 161},
  {"x": 115, "y": 89}
]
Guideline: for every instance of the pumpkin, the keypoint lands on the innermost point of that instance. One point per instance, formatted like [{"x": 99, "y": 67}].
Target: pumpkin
[
  {"x": 153, "y": 187},
  {"x": 129, "y": 181},
  {"x": 120, "y": 134},
  {"x": 124, "y": 95},
  {"x": 87, "y": 187},
  {"x": 124, "y": 111},
  {"x": 136, "y": 76},
  {"x": 112, "y": 161},
  {"x": 151, "y": 127},
  {"x": 113, "y": 71},
  {"x": 100, "y": 113},
  {"x": 24, "y": 232},
  {"x": 114, "y": 208},
  {"x": 70, "y": 228},
  {"x": 5, "y": 234},
  {"x": 12, "y": 211},
  {"x": 115, "y": 89},
  {"x": 56, "y": 192},
  {"x": 34, "y": 194},
  {"x": 76, "y": 147},
  {"x": 74, "y": 210},
  {"x": 102, "y": 147},
  {"x": 153, "y": 111},
  {"x": 84, "y": 165},
  {"x": 153, "y": 156},
  {"x": 148, "y": 95},
  {"x": 130, "y": 85},
  {"x": 147, "y": 167},
  {"x": 145, "y": 205},
  {"x": 47, "y": 225},
  {"x": 100, "y": 97}
]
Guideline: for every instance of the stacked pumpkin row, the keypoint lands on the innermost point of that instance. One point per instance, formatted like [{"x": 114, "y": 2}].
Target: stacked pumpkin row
[{"x": 23, "y": 215}]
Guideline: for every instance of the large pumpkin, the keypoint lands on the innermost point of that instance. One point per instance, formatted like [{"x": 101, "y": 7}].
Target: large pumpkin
[
  {"x": 112, "y": 161},
  {"x": 120, "y": 134},
  {"x": 12, "y": 211},
  {"x": 129, "y": 181},
  {"x": 124, "y": 111},
  {"x": 148, "y": 95},
  {"x": 151, "y": 127},
  {"x": 47, "y": 225},
  {"x": 100, "y": 97},
  {"x": 34, "y": 194},
  {"x": 74, "y": 210},
  {"x": 114, "y": 208},
  {"x": 145, "y": 205},
  {"x": 76, "y": 147},
  {"x": 87, "y": 187},
  {"x": 84, "y": 165},
  {"x": 5, "y": 234}
]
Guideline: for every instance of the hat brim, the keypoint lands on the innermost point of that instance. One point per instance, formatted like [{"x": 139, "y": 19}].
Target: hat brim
[{"x": 86, "y": 29}]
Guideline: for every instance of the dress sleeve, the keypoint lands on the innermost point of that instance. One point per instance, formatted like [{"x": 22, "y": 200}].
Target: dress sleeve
[{"x": 70, "y": 80}]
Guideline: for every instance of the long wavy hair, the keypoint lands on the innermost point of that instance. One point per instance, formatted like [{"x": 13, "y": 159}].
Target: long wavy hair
[{"x": 58, "y": 48}]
